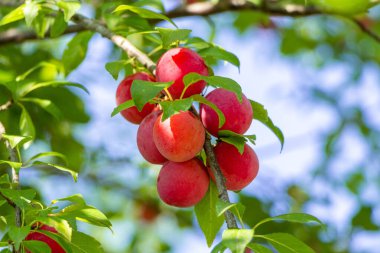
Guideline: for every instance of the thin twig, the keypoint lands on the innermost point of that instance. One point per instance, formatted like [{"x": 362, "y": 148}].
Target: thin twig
[
  {"x": 197, "y": 9},
  {"x": 10, "y": 202},
  {"x": 366, "y": 30},
  {"x": 19, "y": 36},
  {"x": 118, "y": 40}
]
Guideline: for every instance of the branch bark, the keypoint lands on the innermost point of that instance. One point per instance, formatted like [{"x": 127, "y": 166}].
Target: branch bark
[
  {"x": 219, "y": 180},
  {"x": 18, "y": 36}
]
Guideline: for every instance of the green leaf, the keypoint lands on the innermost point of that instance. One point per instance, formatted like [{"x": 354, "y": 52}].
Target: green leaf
[
  {"x": 235, "y": 208},
  {"x": 59, "y": 25},
  {"x": 237, "y": 239},
  {"x": 234, "y": 139},
  {"x": 15, "y": 165},
  {"x": 144, "y": 13},
  {"x": 198, "y": 43},
  {"x": 261, "y": 114},
  {"x": 2, "y": 202},
  {"x": 72, "y": 172},
  {"x": 65, "y": 244},
  {"x": 75, "y": 51},
  {"x": 169, "y": 36},
  {"x": 85, "y": 244},
  {"x": 30, "y": 10},
  {"x": 292, "y": 217},
  {"x": 207, "y": 216},
  {"x": 251, "y": 138},
  {"x": 16, "y": 141},
  {"x": 4, "y": 244},
  {"x": 53, "y": 84},
  {"x": 286, "y": 243},
  {"x": 69, "y": 8},
  {"x": 203, "y": 100},
  {"x": 41, "y": 24},
  {"x": 36, "y": 246},
  {"x": 47, "y": 154},
  {"x": 15, "y": 15},
  {"x": 4, "y": 179},
  {"x": 18, "y": 234},
  {"x": 87, "y": 214},
  {"x": 76, "y": 199},
  {"x": 115, "y": 67},
  {"x": 123, "y": 106},
  {"x": 143, "y": 91},
  {"x": 219, "y": 248},
  {"x": 21, "y": 198},
  {"x": 215, "y": 81},
  {"x": 45, "y": 104},
  {"x": 38, "y": 66},
  {"x": 61, "y": 225},
  {"x": 170, "y": 108},
  {"x": 26, "y": 123},
  {"x": 258, "y": 248},
  {"x": 220, "y": 54}
]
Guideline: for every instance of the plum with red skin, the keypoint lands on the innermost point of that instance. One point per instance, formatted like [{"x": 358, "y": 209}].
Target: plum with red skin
[
  {"x": 183, "y": 184},
  {"x": 36, "y": 236},
  {"x": 145, "y": 143},
  {"x": 175, "y": 64},
  {"x": 238, "y": 169},
  {"x": 123, "y": 94},
  {"x": 180, "y": 137},
  {"x": 238, "y": 115}
]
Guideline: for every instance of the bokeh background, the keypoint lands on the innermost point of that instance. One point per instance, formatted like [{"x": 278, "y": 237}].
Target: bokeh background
[{"x": 317, "y": 76}]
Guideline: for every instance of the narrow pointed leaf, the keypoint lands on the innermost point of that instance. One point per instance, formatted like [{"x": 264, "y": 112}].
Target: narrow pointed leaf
[
  {"x": 144, "y": 13},
  {"x": 143, "y": 91},
  {"x": 173, "y": 107},
  {"x": 72, "y": 172},
  {"x": 261, "y": 114},
  {"x": 45, "y": 104},
  {"x": 123, "y": 106},
  {"x": 286, "y": 243},
  {"x": 13, "y": 16},
  {"x": 292, "y": 217},
  {"x": 203, "y": 100},
  {"x": 207, "y": 216},
  {"x": 15, "y": 140},
  {"x": 215, "y": 81},
  {"x": 36, "y": 246}
]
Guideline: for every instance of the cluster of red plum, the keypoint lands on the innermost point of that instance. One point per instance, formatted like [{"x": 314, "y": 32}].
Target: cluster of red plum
[{"x": 177, "y": 141}]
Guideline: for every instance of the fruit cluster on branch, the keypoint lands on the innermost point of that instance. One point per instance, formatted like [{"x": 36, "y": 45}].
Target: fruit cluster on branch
[{"x": 177, "y": 142}]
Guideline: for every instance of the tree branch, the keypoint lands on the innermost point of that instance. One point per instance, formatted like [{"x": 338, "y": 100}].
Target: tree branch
[
  {"x": 219, "y": 180},
  {"x": 123, "y": 43},
  {"x": 18, "y": 36},
  {"x": 196, "y": 9},
  {"x": 366, "y": 30},
  {"x": 10, "y": 202},
  {"x": 208, "y": 8}
]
